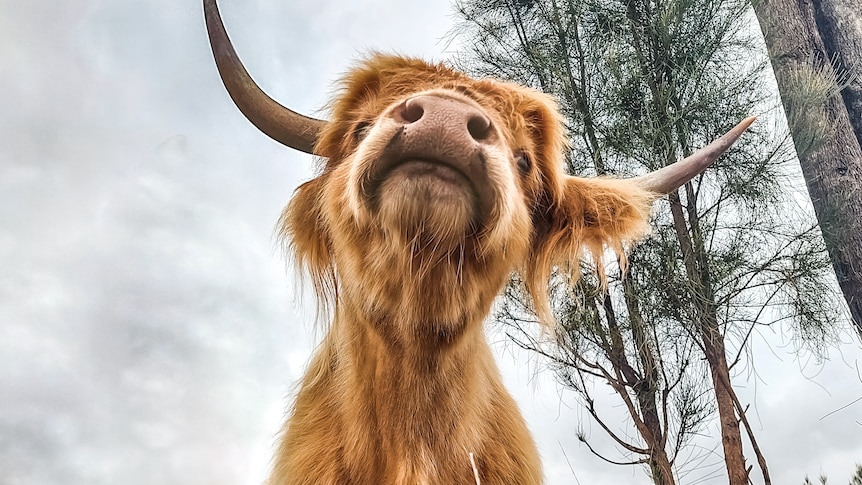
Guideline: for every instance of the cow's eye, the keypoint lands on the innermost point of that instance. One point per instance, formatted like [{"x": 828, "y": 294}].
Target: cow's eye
[
  {"x": 360, "y": 131},
  {"x": 522, "y": 160}
]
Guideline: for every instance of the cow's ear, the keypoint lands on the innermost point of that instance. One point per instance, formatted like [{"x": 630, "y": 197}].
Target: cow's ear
[
  {"x": 590, "y": 216},
  {"x": 303, "y": 230},
  {"x": 608, "y": 212}
]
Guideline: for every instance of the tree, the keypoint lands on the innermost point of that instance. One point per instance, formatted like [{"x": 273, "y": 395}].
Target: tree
[
  {"x": 641, "y": 83},
  {"x": 856, "y": 479},
  {"x": 839, "y": 23},
  {"x": 816, "y": 53},
  {"x": 822, "y": 479}
]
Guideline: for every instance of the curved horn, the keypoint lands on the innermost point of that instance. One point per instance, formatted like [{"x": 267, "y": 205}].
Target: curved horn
[
  {"x": 670, "y": 178},
  {"x": 279, "y": 123}
]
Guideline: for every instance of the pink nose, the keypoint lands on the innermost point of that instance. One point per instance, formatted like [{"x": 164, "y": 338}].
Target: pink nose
[
  {"x": 446, "y": 129},
  {"x": 456, "y": 121}
]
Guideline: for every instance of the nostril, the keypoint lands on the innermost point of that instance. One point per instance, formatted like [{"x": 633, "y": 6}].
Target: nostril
[
  {"x": 412, "y": 110},
  {"x": 479, "y": 127}
]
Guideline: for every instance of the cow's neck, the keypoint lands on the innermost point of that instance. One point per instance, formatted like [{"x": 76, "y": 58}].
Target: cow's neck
[{"x": 411, "y": 396}]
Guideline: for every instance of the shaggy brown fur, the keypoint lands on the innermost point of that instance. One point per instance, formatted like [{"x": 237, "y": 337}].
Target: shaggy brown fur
[{"x": 404, "y": 386}]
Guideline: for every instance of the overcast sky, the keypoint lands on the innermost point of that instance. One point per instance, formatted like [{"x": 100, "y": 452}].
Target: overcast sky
[{"x": 149, "y": 330}]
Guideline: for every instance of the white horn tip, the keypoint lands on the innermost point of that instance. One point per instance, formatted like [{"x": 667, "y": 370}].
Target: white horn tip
[{"x": 671, "y": 177}]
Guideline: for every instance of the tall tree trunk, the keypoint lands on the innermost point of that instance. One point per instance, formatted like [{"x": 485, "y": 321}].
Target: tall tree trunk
[
  {"x": 647, "y": 390},
  {"x": 712, "y": 341},
  {"x": 731, "y": 438},
  {"x": 840, "y": 25},
  {"x": 829, "y": 149},
  {"x": 644, "y": 384}
]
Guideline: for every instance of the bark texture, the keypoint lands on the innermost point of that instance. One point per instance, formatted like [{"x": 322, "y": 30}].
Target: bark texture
[
  {"x": 814, "y": 46},
  {"x": 696, "y": 265},
  {"x": 840, "y": 25}
]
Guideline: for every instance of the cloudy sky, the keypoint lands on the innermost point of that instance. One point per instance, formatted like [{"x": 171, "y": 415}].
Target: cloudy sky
[{"x": 149, "y": 330}]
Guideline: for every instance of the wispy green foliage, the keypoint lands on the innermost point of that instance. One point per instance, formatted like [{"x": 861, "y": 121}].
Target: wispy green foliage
[
  {"x": 643, "y": 83},
  {"x": 856, "y": 479}
]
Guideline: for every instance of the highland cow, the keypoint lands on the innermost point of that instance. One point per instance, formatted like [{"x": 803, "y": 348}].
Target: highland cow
[{"x": 436, "y": 188}]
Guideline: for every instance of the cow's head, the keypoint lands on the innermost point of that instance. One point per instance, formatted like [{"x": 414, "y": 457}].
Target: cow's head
[{"x": 437, "y": 186}]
